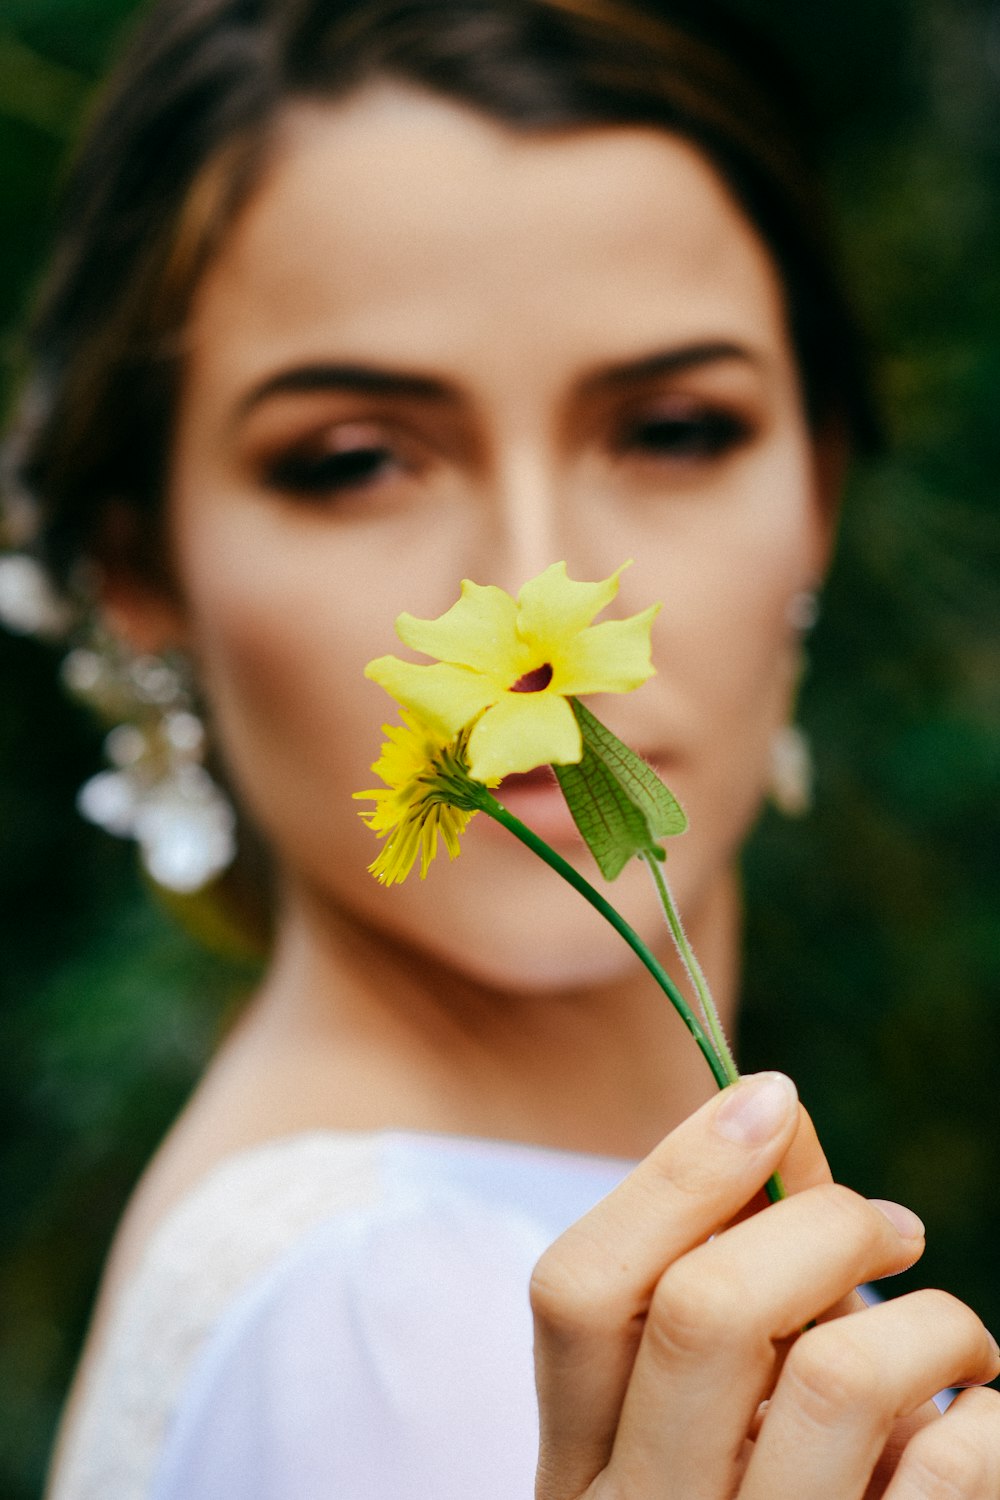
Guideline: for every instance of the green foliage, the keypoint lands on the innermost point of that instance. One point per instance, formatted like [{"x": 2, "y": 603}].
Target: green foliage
[{"x": 872, "y": 927}]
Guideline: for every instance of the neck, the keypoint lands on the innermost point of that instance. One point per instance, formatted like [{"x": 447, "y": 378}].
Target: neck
[{"x": 393, "y": 1039}]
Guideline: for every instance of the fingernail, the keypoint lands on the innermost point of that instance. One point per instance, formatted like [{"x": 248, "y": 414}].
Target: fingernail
[
  {"x": 753, "y": 1110},
  {"x": 996, "y": 1346},
  {"x": 903, "y": 1220}
]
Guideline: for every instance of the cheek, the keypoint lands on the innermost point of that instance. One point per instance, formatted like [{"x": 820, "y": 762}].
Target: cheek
[
  {"x": 281, "y": 632},
  {"x": 726, "y": 648},
  {"x": 754, "y": 640},
  {"x": 731, "y": 570}
]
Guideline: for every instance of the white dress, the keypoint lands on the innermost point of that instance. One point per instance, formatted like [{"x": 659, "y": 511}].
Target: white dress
[{"x": 334, "y": 1317}]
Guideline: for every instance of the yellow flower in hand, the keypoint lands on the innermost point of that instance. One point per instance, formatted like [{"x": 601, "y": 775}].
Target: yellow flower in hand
[
  {"x": 426, "y": 793},
  {"x": 507, "y": 667}
]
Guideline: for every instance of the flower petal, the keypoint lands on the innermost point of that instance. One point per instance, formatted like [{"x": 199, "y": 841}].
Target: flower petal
[
  {"x": 522, "y": 731},
  {"x": 552, "y": 607},
  {"x": 446, "y": 697},
  {"x": 394, "y": 860},
  {"x": 613, "y": 657},
  {"x": 479, "y": 631}
]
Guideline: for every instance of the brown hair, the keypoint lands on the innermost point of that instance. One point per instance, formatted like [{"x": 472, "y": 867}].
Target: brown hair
[{"x": 183, "y": 131}]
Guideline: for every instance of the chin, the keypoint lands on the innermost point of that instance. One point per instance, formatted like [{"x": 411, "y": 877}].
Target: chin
[
  {"x": 580, "y": 962},
  {"x": 502, "y": 919}
]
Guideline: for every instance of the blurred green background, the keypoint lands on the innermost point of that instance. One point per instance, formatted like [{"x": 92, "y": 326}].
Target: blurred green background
[{"x": 873, "y": 927}]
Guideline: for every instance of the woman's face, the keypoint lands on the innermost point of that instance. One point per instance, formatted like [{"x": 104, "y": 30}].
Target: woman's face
[{"x": 432, "y": 349}]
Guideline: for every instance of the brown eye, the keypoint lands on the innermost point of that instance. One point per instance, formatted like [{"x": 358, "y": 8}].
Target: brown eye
[
  {"x": 685, "y": 433},
  {"x": 320, "y": 472}
]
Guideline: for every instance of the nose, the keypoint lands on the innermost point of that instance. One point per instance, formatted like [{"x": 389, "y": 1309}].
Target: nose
[
  {"x": 534, "y": 520},
  {"x": 524, "y": 533}
]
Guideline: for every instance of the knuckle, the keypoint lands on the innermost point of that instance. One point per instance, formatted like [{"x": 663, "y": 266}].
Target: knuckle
[
  {"x": 982, "y": 1403},
  {"x": 686, "y": 1174},
  {"x": 566, "y": 1298},
  {"x": 851, "y": 1214},
  {"x": 693, "y": 1310},
  {"x": 832, "y": 1374},
  {"x": 942, "y": 1311},
  {"x": 940, "y": 1305},
  {"x": 939, "y": 1465},
  {"x": 556, "y": 1296}
]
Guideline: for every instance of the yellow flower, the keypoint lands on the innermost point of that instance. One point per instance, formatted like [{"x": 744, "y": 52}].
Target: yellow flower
[
  {"x": 427, "y": 792},
  {"x": 506, "y": 668}
]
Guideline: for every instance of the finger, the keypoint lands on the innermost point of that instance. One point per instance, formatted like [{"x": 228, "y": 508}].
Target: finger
[
  {"x": 714, "y": 1322},
  {"x": 864, "y": 1295},
  {"x": 844, "y": 1384},
  {"x": 958, "y": 1456},
  {"x": 591, "y": 1289},
  {"x": 903, "y": 1431},
  {"x": 803, "y": 1166}
]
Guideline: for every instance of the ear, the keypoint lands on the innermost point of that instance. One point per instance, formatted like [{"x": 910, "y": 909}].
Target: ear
[
  {"x": 138, "y": 600},
  {"x": 831, "y": 449}
]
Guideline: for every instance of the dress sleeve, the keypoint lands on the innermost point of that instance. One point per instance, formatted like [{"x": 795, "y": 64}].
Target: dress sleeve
[{"x": 388, "y": 1358}]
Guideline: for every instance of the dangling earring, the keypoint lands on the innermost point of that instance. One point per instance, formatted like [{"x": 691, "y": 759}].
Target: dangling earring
[
  {"x": 158, "y": 791},
  {"x": 29, "y": 605},
  {"x": 791, "y": 781},
  {"x": 790, "y": 784}
]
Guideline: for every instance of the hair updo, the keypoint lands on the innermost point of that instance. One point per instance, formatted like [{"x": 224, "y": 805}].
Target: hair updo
[{"x": 183, "y": 134}]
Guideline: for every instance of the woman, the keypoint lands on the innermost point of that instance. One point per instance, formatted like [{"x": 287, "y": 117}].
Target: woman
[{"x": 357, "y": 301}]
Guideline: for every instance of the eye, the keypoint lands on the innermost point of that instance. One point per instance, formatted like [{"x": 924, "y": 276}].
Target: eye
[
  {"x": 685, "y": 431},
  {"x": 318, "y": 471},
  {"x": 339, "y": 461}
]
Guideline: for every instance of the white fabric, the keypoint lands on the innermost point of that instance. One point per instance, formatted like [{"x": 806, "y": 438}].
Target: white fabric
[{"x": 335, "y": 1316}]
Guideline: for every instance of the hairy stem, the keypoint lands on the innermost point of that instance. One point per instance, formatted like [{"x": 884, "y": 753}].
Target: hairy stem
[
  {"x": 707, "y": 1005},
  {"x": 775, "y": 1187}
]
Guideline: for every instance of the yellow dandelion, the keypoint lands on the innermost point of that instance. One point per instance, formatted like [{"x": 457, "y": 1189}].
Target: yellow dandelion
[{"x": 427, "y": 793}]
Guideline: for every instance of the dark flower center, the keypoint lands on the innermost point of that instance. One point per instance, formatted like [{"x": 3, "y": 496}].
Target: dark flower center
[{"x": 534, "y": 681}]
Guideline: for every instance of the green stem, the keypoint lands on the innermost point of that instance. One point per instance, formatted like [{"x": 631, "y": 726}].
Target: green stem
[
  {"x": 708, "y": 1009},
  {"x": 775, "y": 1187},
  {"x": 776, "y": 1190},
  {"x": 538, "y": 846},
  {"x": 721, "y": 1062}
]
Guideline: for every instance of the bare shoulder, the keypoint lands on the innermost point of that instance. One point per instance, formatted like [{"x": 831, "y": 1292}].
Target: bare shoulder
[
  {"x": 243, "y": 1101},
  {"x": 204, "y": 1135},
  {"x": 270, "y": 1084},
  {"x": 247, "y": 1170},
  {"x": 193, "y": 1147},
  {"x": 264, "y": 1085}
]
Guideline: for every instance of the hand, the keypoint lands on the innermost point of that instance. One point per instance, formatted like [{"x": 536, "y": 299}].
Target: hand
[{"x": 669, "y": 1314}]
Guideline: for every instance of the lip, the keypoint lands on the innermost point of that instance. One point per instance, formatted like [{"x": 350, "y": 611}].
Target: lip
[
  {"x": 536, "y": 798},
  {"x": 521, "y": 781}
]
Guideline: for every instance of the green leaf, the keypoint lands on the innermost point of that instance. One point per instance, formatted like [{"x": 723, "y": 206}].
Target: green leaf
[
  {"x": 613, "y": 827},
  {"x": 619, "y": 804},
  {"x": 637, "y": 780}
]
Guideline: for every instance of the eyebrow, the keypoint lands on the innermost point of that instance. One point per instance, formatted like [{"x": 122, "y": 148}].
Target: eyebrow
[
  {"x": 667, "y": 362},
  {"x": 374, "y": 380},
  {"x": 358, "y": 379}
]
